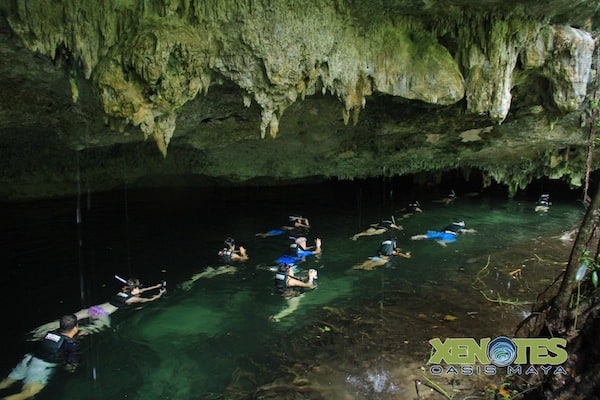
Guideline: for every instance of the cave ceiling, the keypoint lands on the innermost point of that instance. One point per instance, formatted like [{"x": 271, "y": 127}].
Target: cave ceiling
[{"x": 276, "y": 92}]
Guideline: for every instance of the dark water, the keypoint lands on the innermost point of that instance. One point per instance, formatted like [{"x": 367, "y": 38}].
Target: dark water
[{"x": 192, "y": 343}]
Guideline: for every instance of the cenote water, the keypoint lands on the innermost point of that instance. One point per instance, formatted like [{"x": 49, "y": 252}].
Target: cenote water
[{"x": 192, "y": 344}]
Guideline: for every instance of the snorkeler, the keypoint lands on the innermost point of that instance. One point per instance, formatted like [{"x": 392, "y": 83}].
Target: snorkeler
[
  {"x": 291, "y": 288},
  {"x": 299, "y": 248},
  {"x": 58, "y": 348},
  {"x": 209, "y": 272},
  {"x": 229, "y": 253},
  {"x": 412, "y": 208},
  {"x": 378, "y": 228},
  {"x": 543, "y": 203},
  {"x": 299, "y": 223},
  {"x": 446, "y": 235},
  {"x": 387, "y": 250},
  {"x": 98, "y": 315},
  {"x": 298, "y": 251},
  {"x": 286, "y": 282},
  {"x": 449, "y": 198}
]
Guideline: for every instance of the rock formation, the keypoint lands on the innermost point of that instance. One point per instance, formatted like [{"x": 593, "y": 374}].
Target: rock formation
[{"x": 240, "y": 90}]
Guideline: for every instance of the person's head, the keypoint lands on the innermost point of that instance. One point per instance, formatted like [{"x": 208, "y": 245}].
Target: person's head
[
  {"x": 301, "y": 241},
  {"x": 230, "y": 242},
  {"x": 133, "y": 284},
  {"x": 67, "y": 323}
]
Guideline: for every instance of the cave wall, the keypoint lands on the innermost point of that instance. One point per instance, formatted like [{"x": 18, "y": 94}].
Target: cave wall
[{"x": 284, "y": 90}]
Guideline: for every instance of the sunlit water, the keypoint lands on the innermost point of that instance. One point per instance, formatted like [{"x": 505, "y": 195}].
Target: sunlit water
[{"x": 191, "y": 343}]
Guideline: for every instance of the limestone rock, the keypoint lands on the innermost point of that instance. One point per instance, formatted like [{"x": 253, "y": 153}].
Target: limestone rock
[{"x": 340, "y": 82}]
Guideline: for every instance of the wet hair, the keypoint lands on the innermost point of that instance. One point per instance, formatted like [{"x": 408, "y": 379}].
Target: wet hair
[
  {"x": 68, "y": 322},
  {"x": 284, "y": 268},
  {"x": 131, "y": 284}
]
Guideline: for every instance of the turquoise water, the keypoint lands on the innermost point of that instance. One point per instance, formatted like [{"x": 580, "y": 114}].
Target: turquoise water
[{"x": 193, "y": 343}]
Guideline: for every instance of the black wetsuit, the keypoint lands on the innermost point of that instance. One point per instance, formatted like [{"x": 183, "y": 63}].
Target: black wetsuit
[
  {"x": 281, "y": 282},
  {"x": 120, "y": 299},
  {"x": 385, "y": 224},
  {"x": 281, "y": 278},
  {"x": 453, "y": 229},
  {"x": 412, "y": 208},
  {"x": 226, "y": 255}
]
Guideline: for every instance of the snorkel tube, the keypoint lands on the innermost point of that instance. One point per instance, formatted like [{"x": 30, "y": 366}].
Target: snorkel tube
[{"x": 117, "y": 277}]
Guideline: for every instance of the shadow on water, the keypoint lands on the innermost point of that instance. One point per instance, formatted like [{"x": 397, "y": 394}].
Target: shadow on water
[{"x": 361, "y": 334}]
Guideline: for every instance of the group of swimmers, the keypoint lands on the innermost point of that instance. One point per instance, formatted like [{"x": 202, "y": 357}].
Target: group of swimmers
[
  {"x": 286, "y": 283},
  {"x": 448, "y": 234},
  {"x": 58, "y": 341},
  {"x": 389, "y": 247}
]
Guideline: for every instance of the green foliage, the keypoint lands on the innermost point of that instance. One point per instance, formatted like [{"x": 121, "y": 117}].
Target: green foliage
[{"x": 593, "y": 264}]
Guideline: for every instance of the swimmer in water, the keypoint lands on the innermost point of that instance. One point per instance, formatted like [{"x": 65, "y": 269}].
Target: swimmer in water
[
  {"x": 543, "y": 203},
  {"x": 387, "y": 250},
  {"x": 208, "y": 273},
  {"x": 411, "y": 209},
  {"x": 299, "y": 223},
  {"x": 291, "y": 288},
  {"x": 446, "y": 235},
  {"x": 449, "y": 198},
  {"x": 229, "y": 253},
  {"x": 378, "y": 228},
  {"x": 97, "y": 316}
]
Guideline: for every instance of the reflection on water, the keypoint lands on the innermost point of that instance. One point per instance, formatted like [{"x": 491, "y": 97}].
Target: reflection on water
[{"x": 215, "y": 333}]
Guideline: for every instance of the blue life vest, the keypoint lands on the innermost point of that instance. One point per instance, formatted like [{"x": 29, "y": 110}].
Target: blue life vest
[
  {"x": 287, "y": 259},
  {"x": 443, "y": 236}
]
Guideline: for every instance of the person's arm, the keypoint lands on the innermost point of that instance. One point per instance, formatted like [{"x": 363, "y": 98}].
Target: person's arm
[
  {"x": 241, "y": 254},
  {"x": 302, "y": 223},
  {"x": 401, "y": 254},
  {"x": 297, "y": 282},
  {"x": 317, "y": 249},
  {"x": 139, "y": 299},
  {"x": 157, "y": 286}
]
